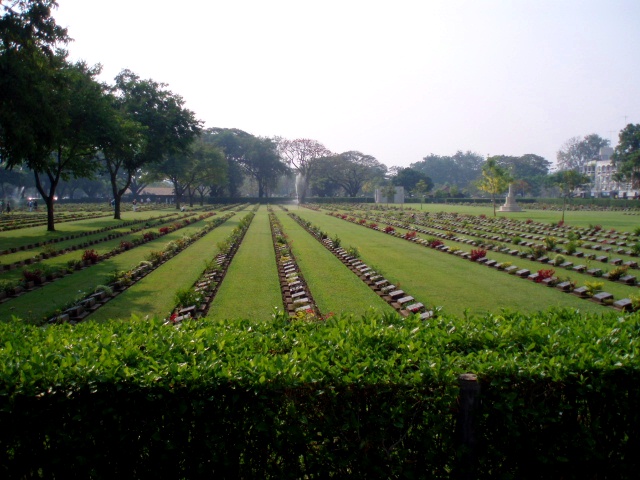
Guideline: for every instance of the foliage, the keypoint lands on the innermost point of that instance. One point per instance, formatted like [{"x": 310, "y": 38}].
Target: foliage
[
  {"x": 478, "y": 253},
  {"x": 543, "y": 274},
  {"x": 250, "y": 399},
  {"x": 353, "y": 251},
  {"x": 550, "y": 242},
  {"x": 593, "y": 287},
  {"x": 559, "y": 260},
  {"x": 627, "y": 154},
  {"x": 90, "y": 256},
  {"x": 577, "y": 151},
  {"x": 495, "y": 180},
  {"x": 617, "y": 272},
  {"x": 186, "y": 297}
]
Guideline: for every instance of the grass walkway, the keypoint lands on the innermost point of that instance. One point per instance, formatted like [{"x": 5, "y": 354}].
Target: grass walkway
[
  {"x": 435, "y": 278},
  {"x": 32, "y": 306},
  {"x": 333, "y": 286},
  {"x": 154, "y": 295},
  {"x": 251, "y": 288}
]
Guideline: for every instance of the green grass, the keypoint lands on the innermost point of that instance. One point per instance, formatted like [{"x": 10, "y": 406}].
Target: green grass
[
  {"x": 154, "y": 295},
  {"x": 435, "y": 278},
  {"x": 32, "y": 306},
  {"x": 251, "y": 288},
  {"x": 334, "y": 287}
]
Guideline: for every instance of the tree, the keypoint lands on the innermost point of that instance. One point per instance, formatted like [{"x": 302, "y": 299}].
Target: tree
[
  {"x": 350, "y": 170},
  {"x": 577, "y": 151},
  {"x": 209, "y": 168},
  {"x": 421, "y": 189},
  {"x": 460, "y": 169},
  {"x": 626, "y": 155},
  {"x": 150, "y": 124},
  {"x": 262, "y": 162},
  {"x": 409, "y": 178},
  {"x": 298, "y": 154},
  {"x": 495, "y": 180},
  {"x": 567, "y": 181},
  {"x": 530, "y": 168}
]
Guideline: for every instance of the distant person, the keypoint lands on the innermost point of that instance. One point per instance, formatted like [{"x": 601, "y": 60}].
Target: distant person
[
  {"x": 135, "y": 204},
  {"x": 35, "y": 205},
  {"x": 8, "y": 207}
]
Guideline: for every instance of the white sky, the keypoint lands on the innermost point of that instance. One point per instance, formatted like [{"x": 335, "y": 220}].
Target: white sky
[{"x": 396, "y": 79}]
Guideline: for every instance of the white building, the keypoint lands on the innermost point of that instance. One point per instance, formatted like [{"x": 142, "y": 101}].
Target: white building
[{"x": 602, "y": 171}]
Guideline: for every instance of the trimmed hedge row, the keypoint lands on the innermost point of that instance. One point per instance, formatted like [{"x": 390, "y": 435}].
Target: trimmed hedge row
[{"x": 369, "y": 397}]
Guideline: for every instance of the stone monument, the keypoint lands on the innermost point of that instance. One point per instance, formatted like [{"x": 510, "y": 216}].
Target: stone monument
[{"x": 510, "y": 204}]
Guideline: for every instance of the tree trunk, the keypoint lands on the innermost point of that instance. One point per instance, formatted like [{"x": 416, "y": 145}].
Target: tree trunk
[{"x": 48, "y": 198}]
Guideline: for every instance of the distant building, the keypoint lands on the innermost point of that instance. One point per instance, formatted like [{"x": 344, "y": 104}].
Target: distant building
[{"x": 601, "y": 171}]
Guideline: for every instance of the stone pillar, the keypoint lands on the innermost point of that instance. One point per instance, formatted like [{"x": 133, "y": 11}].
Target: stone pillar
[{"x": 510, "y": 204}]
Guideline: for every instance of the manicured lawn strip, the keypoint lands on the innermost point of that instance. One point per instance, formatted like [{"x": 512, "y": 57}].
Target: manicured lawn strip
[
  {"x": 251, "y": 287},
  {"x": 583, "y": 218},
  {"x": 101, "y": 248},
  {"x": 25, "y": 254},
  {"x": 34, "y": 305},
  {"x": 618, "y": 290},
  {"x": 442, "y": 280},
  {"x": 334, "y": 287},
  {"x": 26, "y": 236},
  {"x": 154, "y": 295}
]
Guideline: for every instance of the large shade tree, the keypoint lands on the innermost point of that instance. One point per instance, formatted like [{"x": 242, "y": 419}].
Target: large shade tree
[
  {"x": 350, "y": 170},
  {"x": 150, "y": 125},
  {"x": 460, "y": 169},
  {"x": 576, "y": 151},
  {"x": 299, "y": 155}
]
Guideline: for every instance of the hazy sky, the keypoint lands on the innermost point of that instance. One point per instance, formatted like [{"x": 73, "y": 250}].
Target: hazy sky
[{"x": 396, "y": 79}]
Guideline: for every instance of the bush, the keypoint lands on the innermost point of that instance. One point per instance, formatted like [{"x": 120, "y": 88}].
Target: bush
[
  {"x": 543, "y": 274},
  {"x": 478, "y": 254},
  {"x": 90, "y": 256}
]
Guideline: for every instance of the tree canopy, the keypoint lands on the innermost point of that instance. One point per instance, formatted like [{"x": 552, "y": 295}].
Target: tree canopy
[
  {"x": 577, "y": 151},
  {"x": 626, "y": 155}
]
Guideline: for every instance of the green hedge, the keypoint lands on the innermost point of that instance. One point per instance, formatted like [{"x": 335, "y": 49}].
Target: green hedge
[{"x": 367, "y": 397}]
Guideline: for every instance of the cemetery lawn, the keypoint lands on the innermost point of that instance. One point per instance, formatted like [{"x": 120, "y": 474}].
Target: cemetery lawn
[
  {"x": 251, "y": 288},
  {"x": 334, "y": 287},
  {"x": 154, "y": 295},
  {"x": 35, "y": 305},
  {"x": 438, "y": 279}
]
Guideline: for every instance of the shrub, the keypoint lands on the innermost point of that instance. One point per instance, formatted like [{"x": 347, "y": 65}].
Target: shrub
[
  {"x": 543, "y": 274},
  {"x": 435, "y": 242},
  {"x": 154, "y": 257},
  {"x": 389, "y": 229},
  {"x": 164, "y": 230},
  {"x": 516, "y": 240},
  {"x": 618, "y": 272},
  {"x": 559, "y": 260},
  {"x": 504, "y": 265},
  {"x": 477, "y": 254},
  {"x": 572, "y": 247},
  {"x": 90, "y": 256},
  {"x": 125, "y": 245},
  {"x": 593, "y": 287},
  {"x": 373, "y": 225},
  {"x": 186, "y": 297},
  {"x": 550, "y": 243},
  {"x": 104, "y": 288},
  {"x": 353, "y": 251},
  {"x": 411, "y": 234},
  {"x": 537, "y": 251},
  {"x": 147, "y": 236},
  {"x": 336, "y": 241}
]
